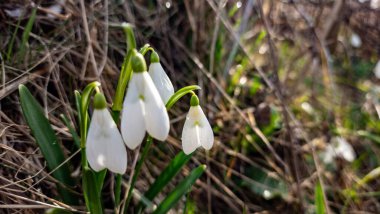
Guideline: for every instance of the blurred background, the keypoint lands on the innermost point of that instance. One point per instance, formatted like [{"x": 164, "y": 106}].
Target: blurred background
[{"x": 290, "y": 87}]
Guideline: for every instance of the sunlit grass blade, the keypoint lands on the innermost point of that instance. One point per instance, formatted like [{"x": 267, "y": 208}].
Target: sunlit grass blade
[
  {"x": 319, "y": 202},
  {"x": 180, "y": 93},
  {"x": 48, "y": 143},
  {"x": 180, "y": 190},
  {"x": 165, "y": 177}
]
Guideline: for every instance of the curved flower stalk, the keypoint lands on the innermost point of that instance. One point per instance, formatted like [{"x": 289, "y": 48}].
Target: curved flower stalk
[
  {"x": 338, "y": 147},
  {"x": 197, "y": 130},
  {"x": 104, "y": 145},
  {"x": 143, "y": 109},
  {"x": 160, "y": 78}
]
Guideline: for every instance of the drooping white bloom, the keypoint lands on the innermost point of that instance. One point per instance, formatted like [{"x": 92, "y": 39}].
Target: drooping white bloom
[
  {"x": 161, "y": 81},
  {"x": 338, "y": 147},
  {"x": 143, "y": 110},
  {"x": 197, "y": 130},
  {"x": 376, "y": 70},
  {"x": 104, "y": 144},
  {"x": 356, "y": 41}
]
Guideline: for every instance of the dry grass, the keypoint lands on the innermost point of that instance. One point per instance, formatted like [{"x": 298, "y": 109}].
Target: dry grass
[{"x": 202, "y": 42}]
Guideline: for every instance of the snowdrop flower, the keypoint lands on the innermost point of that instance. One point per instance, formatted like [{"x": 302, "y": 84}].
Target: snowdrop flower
[
  {"x": 376, "y": 70},
  {"x": 104, "y": 145},
  {"x": 143, "y": 109},
  {"x": 161, "y": 80},
  {"x": 338, "y": 147},
  {"x": 375, "y": 4},
  {"x": 197, "y": 130},
  {"x": 356, "y": 41}
]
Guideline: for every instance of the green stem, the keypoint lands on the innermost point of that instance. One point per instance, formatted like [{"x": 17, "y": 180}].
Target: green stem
[
  {"x": 117, "y": 190},
  {"x": 126, "y": 69},
  {"x": 137, "y": 171}
]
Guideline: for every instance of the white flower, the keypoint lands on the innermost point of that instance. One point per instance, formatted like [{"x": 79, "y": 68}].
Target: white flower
[
  {"x": 143, "y": 110},
  {"x": 197, "y": 130},
  {"x": 161, "y": 81},
  {"x": 104, "y": 145},
  {"x": 376, "y": 70},
  {"x": 375, "y": 4},
  {"x": 338, "y": 147},
  {"x": 356, "y": 41}
]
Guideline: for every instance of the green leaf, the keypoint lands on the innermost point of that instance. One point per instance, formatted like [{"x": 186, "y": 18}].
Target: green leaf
[
  {"x": 71, "y": 130},
  {"x": 180, "y": 190},
  {"x": 180, "y": 93},
  {"x": 57, "y": 211},
  {"x": 48, "y": 143},
  {"x": 125, "y": 75},
  {"x": 27, "y": 30},
  {"x": 369, "y": 135},
  {"x": 319, "y": 202},
  {"x": 165, "y": 177},
  {"x": 264, "y": 184}
]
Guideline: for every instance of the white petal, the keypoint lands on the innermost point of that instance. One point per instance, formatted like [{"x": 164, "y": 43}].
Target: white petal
[
  {"x": 356, "y": 40},
  {"x": 206, "y": 134},
  {"x": 329, "y": 154},
  {"x": 116, "y": 154},
  {"x": 190, "y": 135},
  {"x": 161, "y": 81},
  {"x": 95, "y": 143},
  {"x": 132, "y": 121},
  {"x": 376, "y": 70},
  {"x": 375, "y": 4},
  {"x": 156, "y": 116},
  {"x": 345, "y": 149}
]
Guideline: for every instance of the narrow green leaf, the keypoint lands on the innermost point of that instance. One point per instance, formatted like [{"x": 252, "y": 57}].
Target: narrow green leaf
[
  {"x": 180, "y": 190},
  {"x": 48, "y": 143},
  {"x": 78, "y": 100},
  {"x": 27, "y": 30},
  {"x": 71, "y": 130},
  {"x": 170, "y": 171},
  {"x": 125, "y": 75},
  {"x": 90, "y": 191},
  {"x": 264, "y": 183},
  {"x": 180, "y": 93},
  {"x": 319, "y": 202}
]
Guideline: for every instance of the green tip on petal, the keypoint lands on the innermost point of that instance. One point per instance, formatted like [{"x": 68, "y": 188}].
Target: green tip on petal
[
  {"x": 154, "y": 57},
  {"x": 194, "y": 100},
  {"x": 138, "y": 62},
  {"x": 100, "y": 101}
]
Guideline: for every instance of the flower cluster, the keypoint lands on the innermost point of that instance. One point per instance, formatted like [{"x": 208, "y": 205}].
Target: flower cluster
[{"x": 143, "y": 111}]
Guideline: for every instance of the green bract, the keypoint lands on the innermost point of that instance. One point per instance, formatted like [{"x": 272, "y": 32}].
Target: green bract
[
  {"x": 194, "y": 100},
  {"x": 138, "y": 62},
  {"x": 154, "y": 58},
  {"x": 99, "y": 101}
]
